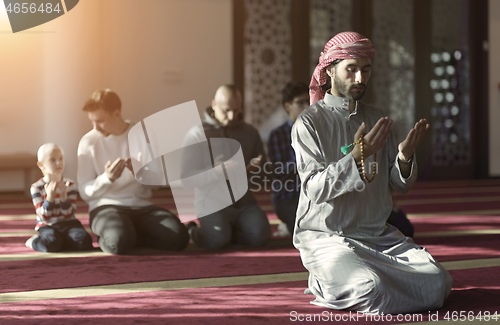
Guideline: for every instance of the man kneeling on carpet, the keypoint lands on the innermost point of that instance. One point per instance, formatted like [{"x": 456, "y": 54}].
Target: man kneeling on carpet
[
  {"x": 242, "y": 222},
  {"x": 54, "y": 198},
  {"x": 120, "y": 212},
  {"x": 348, "y": 161}
]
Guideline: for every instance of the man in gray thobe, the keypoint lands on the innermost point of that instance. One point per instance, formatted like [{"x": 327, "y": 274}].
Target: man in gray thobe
[{"x": 356, "y": 261}]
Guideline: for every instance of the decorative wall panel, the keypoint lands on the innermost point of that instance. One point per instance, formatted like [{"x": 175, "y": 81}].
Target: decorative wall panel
[
  {"x": 268, "y": 56},
  {"x": 393, "y": 77},
  {"x": 450, "y": 85},
  {"x": 327, "y": 18}
]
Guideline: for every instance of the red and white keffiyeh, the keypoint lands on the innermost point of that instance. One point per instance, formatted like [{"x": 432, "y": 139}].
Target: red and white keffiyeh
[{"x": 345, "y": 45}]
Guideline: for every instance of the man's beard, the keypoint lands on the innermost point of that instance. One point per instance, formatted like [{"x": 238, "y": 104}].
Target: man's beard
[{"x": 345, "y": 92}]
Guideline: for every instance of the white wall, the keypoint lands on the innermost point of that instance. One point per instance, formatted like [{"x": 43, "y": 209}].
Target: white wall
[
  {"x": 72, "y": 65},
  {"x": 21, "y": 94},
  {"x": 494, "y": 87},
  {"x": 153, "y": 53}
]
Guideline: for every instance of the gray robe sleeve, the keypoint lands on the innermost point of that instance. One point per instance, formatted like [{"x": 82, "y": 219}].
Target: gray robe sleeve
[
  {"x": 396, "y": 180},
  {"x": 322, "y": 179}
]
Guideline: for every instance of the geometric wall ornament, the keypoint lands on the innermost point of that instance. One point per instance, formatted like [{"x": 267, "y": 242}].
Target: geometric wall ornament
[
  {"x": 268, "y": 56},
  {"x": 327, "y": 18},
  {"x": 449, "y": 86},
  {"x": 393, "y": 72}
]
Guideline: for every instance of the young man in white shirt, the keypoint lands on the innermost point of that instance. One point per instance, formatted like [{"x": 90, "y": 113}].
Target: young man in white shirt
[{"x": 120, "y": 213}]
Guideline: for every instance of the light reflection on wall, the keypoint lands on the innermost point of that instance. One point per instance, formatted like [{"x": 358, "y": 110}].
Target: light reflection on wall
[
  {"x": 48, "y": 71},
  {"x": 21, "y": 91},
  {"x": 4, "y": 20}
]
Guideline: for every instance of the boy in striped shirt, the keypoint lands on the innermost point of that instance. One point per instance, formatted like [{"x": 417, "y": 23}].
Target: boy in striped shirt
[{"x": 54, "y": 198}]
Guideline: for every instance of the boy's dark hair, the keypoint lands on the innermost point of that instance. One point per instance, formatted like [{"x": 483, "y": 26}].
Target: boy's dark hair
[
  {"x": 292, "y": 90},
  {"x": 106, "y": 99}
]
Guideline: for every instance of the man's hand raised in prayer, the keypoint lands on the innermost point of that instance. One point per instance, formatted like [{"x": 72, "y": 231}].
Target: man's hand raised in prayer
[
  {"x": 128, "y": 164},
  {"x": 413, "y": 139},
  {"x": 114, "y": 170},
  {"x": 374, "y": 140},
  {"x": 254, "y": 164}
]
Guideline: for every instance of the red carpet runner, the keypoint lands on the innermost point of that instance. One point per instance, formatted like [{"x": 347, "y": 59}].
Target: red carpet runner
[{"x": 457, "y": 222}]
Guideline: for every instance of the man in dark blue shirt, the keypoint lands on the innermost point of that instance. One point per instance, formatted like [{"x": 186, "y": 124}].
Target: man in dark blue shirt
[{"x": 286, "y": 183}]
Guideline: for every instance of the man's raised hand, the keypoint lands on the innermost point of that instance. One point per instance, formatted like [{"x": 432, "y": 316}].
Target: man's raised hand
[
  {"x": 413, "y": 139},
  {"x": 128, "y": 164},
  {"x": 114, "y": 170},
  {"x": 374, "y": 140},
  {"x": 254, "y": 164}
]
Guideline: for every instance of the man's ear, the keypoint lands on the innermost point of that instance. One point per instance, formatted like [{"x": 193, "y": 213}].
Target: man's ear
[
  {"x": 40, "y": 165},
  {"x": 117, "y": 112},
  {"x": 330, "y": 71},
  {"x": 287, "y": 107}
]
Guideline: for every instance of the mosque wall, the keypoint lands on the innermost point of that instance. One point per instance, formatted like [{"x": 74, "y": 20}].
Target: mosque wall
[
  {"x": 494, "y": 87},
  {"x": 154, "y": 54}
]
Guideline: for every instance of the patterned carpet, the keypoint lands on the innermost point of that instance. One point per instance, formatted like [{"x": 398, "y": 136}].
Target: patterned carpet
[{"x": 457, "y": 222}]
